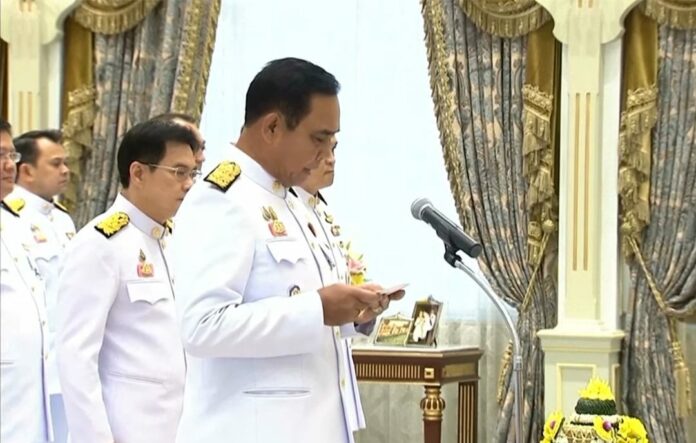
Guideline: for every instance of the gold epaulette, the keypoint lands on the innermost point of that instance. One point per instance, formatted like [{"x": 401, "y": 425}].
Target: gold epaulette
[
  {"x": 16, "y": 204},
  {"x": 61, "y": 207},
  {"x": 9, "y": 208},
  {"x": 112, "y": 224},
  {"x": 224, "y": 175}
]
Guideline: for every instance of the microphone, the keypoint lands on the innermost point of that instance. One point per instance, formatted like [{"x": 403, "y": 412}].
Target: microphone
[{"x": 449, "y": 232}]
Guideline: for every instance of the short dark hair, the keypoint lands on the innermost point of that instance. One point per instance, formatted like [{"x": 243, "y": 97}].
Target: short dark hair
[
  {"x": 26, "y": 144},
  {"x": 286, "y": 85},
  {"x": 146, "y": 143},
  {"x": 169, "y": 116},
  {"x": 5, "y": 126}
]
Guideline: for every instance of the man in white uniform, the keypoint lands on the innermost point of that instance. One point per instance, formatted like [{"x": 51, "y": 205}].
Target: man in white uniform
[
  {"x": 24, "y": 412},
  {"x": 42, "y": 174},
  {"x": 326, "y": 234},
  {"x": 256, "y": 309},
  {"x": 120, "y": 359}
]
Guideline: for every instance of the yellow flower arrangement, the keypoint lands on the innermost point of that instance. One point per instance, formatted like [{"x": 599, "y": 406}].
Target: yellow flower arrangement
[
  {"x": 604, "y": 429},
  {"x": 631, "y": 430},
  {"x": 597, "y": 389},
  {"x": 552, "y": 426},
  {"x": 356, "y": 267}
]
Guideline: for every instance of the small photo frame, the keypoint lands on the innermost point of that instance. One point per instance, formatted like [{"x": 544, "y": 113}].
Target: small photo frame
[
  {"x": 426, "y": 317},
  {"x": 392, "y": 330}
]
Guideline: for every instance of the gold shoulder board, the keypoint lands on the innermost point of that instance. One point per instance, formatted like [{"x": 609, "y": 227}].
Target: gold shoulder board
[
  {"x": 224, "y": 175},
  {"x": 112, "y": 224},
  {"x": 16, "y": 205},
  {"x": 61, "y": 207},
  {"x": 9, "y": 208}
]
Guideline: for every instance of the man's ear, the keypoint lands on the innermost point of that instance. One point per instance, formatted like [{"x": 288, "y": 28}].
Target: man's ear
[
  {"x": 136, "y": 170},
  {"x": 271, "y": 126},
  {"x": 26, "y": 170}
]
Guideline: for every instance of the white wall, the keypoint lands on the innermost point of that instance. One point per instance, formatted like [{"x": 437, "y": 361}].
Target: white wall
[{"x": 389, "y": 151}]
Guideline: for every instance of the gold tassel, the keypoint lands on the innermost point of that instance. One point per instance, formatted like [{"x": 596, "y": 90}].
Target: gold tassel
[{"x": 504, "y": 367}]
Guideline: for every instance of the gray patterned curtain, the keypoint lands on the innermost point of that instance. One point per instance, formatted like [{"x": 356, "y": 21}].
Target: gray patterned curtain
[
  {"x": 668, "y": 249},
  {"x": 161, "y": 64},
  {"x": 477, "y": 84}
]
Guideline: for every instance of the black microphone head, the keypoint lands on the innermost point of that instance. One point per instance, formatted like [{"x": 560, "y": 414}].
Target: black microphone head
[{"x": 418, "y": 205}]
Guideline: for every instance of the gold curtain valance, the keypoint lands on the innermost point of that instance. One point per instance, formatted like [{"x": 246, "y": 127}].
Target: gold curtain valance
[
  {"x": 112, "y": 16},
  {"x": 506, "y": 18},
  {"x": 680, "y": 14}
]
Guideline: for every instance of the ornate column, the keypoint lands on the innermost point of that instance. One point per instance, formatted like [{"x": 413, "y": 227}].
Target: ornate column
[
  {"x": 586, "y": 341},
  {"x": 31, "y": 28}
]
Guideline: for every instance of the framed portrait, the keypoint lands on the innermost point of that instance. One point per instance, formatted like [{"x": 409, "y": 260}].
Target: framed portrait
[
  {"x": 393, "y": 330},
  {"x": 426, "y": 317}
]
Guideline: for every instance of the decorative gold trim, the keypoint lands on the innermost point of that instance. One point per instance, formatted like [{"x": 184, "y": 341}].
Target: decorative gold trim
[
  {"x": 442, "y": 84},
  {"x": 636, "y": 124},
  {"x": 432, "y": 404},
  {"x": 680, "y": 14},
  {"x": 576, "y": 180},
  {"x": 113, "y": 16},
  {"x": 505, "y": 366},
  {"x": 190, "y": 85},
  {"x": 458, "y": 370},
  {"x": 586, "y": 206},
  {"x": 385, "y": 371},
  {"x": 506, "y": 19},
  {"x": 428, "y": 373}
]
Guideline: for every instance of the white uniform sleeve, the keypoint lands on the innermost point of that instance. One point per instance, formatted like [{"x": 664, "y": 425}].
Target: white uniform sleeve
[
  {"x": 88, "y": 285},
  {"x": 213, "y": 249}
]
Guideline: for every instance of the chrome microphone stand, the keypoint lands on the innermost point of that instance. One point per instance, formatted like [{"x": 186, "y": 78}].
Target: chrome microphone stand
[{"x": 455, "y": 261}]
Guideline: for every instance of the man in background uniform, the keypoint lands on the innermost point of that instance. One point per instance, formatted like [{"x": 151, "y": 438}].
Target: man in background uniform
[
  {"x": 42, "y": 174},
  {"x": 120, "y": 359},
  {"x": 24, "y": 411}
]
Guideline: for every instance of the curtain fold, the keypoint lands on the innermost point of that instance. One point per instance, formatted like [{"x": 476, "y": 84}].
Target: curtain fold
[
  {"x": 663, "y": 271},
  {"x": 4, "y": 66},
  {"x": 78, "y": 109},
  {"x": 505, "y": 18},
  {"x": 160, "y": 65},
  {"x": 477, "y": 82}
]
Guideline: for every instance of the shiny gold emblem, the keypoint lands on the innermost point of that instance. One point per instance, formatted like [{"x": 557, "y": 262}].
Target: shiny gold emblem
[
  {"x": 276, "y": 226},
  {"x": 336, "y": 230},
  {"x": 16, "y": 205},
  {"x": 112, "y": 224},
  {"x": 224, "y": 175},
  {"x": 145, "y": 269},
  {"x": 328, "y": 218}
]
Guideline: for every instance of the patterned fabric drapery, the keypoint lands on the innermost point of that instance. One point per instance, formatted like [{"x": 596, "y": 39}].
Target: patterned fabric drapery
[
  {"x": 505, "y": 18},
  {"x": 112, "y": 16},
  {"x": 160, "y": 65},
  {"x": 680, "y": 14},
  {"x": 667, "y": 250},
  {"x": 477, "y": 87}
]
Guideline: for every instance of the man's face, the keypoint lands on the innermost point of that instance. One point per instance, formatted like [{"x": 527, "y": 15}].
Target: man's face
[
  {"x": 323, "y": 175},
  {"x": 163, "y": 188},
  {"x": 297, "y": 152},
  {"x": 50, "y": 176},
  {"x": 8, "y": 168}
]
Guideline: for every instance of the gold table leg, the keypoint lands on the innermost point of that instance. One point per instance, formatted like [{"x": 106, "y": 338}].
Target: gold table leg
[{"x": 432, "y": 406}]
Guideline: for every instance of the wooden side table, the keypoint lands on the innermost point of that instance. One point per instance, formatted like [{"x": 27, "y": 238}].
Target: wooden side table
[{"x": 432, "y": 368}]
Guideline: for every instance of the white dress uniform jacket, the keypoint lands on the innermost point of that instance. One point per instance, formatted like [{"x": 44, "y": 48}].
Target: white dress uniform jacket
[
  {"x": 263, "y": 367},
  {"x": 120, "y": 359},
  {"x": 51, "y": 230},
  {"x": 326, "y": 232},
  {"x": 24, "y": 400}
]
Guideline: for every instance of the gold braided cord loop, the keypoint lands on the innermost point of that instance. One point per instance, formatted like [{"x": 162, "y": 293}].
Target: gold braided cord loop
[
  {"x": 679, "y": 14},
  {"x": 113, "y": 16},
  {"x": 506, "y": 18}
]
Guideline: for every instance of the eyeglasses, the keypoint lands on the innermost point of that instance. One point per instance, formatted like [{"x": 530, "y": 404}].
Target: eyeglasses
[
  {"x": 9, "y": 155},
  {"x": 181, "y": 174}
]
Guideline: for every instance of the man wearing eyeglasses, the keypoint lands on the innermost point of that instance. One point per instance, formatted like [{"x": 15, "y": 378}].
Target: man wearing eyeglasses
[
  {"x": 42, "y": 174},
  {"x": 120, "y": 359},
  {"x": 24, "y": 413}
]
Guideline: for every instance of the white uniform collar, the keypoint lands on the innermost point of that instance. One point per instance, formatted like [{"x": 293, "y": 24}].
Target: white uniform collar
[
  {"x": 252, "y": 169},
  {"x": 139, "y": 219},
  {"x": 32, "y": 200},
  {"x": 311, "y": 201}
]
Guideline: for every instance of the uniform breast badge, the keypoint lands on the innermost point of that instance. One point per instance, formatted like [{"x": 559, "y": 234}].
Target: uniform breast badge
[
  {"x": 39, "y": 236},
  {"x": 335, "y": 230},
  {"x": 328, "y": 218},
  {"x": 276, "y": 226},
  {"x": 145, "y": 269},
  {"x": 294, "y": 290}
]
